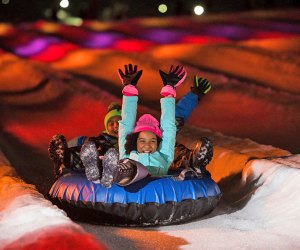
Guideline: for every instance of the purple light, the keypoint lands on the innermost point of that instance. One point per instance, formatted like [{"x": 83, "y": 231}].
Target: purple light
[
  {"x": 35, "y": 46},
  {"x": 100, "y": 40},
  {"x": 163, "y": 36},
  {"x": 233, "y": 32},
  {"x": 273, "y": 25}
]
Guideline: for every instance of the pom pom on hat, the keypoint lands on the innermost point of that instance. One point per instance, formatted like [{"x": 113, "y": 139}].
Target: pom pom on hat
[
  {"x": 113, "y": 106},
  {"x": 148, "y": 123}
]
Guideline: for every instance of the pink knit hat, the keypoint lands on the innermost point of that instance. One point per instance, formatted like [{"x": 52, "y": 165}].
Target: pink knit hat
[{"x": 148, "y": 123}]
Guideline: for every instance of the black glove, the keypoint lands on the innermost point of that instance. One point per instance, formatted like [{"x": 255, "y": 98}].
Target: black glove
[
  {"x": 131, "y": 75},
  {"x": 201, "y": 86},
  {"x": 175, "y": 76}
]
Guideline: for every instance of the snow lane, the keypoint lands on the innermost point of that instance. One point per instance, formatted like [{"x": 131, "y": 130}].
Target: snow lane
[
  {"x": 29, "y": 221},
  {"x": 255, "y": 95},
  {"x": 263, "y": 212}
]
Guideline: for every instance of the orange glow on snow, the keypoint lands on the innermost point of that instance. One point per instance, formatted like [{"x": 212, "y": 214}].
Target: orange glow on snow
[
  {"x": 78, "y": 59},
  {"x": 47, "y": 27},
  {"x": 6, "y": 29},
  {"x": 96, "y": 25},
  {"x": 74, "y": 118}
]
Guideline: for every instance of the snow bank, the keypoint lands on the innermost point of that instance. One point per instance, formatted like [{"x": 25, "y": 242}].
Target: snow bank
[
  {"x": 260, "y": 208},
  {"x": 30, "y": 221}
]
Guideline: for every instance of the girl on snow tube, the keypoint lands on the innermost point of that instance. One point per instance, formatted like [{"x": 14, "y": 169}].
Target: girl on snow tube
[
  {"x": 144, "y": 147},
  {"x": 152, "y": 200},
  {"x": 66, "y": 155}
]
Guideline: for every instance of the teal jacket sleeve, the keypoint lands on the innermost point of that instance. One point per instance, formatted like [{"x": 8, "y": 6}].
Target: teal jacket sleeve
[
  {"x": 167, "y": 123},
  {"x": 126, "y": 125}
]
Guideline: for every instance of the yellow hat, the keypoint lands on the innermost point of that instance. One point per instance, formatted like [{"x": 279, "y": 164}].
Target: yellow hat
[{"x": 114, "y": 109}]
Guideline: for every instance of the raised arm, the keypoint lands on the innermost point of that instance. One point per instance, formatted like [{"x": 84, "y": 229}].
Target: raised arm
[
  {"x": 189, "y": 101},
  {"x": 170, "y": 80},
  {"x": 129, "y": 79}
]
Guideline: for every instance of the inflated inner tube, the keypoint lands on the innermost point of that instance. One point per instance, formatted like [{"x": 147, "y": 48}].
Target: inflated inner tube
[{"x": 151, "y": 201}]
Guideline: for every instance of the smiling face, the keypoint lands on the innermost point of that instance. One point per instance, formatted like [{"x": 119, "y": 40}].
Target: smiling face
[
  {"x": 146, "y": 142},
  {"x": 113, "y": 125}
]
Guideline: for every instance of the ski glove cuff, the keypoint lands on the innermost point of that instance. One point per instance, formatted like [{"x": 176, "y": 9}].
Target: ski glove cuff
[
  {"x": 167, "y": 91},
  {"x": 130, "y": 90}
]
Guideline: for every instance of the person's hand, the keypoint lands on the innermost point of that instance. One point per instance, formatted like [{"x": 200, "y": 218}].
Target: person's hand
[
  {"x": 201, "y": 86},
  {"x": 171, "y": 80},
  {"x": 175, "y": 76},
  {"x": 131, "y": 75}
]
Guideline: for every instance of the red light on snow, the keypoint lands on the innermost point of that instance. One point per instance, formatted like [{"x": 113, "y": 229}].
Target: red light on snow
[
  {"x": 132, "y": 45},
  {"x": 62, "y": 238},
  {"x": 54, "y": 52},
  {"x": 203, "y": 39}
]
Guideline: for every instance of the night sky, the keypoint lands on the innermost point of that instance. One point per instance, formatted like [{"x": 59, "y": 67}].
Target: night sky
[{"x": 31, "y": 10}]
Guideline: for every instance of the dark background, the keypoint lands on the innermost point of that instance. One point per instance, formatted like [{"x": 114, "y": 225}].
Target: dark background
[{"x": 32, "y": 10}]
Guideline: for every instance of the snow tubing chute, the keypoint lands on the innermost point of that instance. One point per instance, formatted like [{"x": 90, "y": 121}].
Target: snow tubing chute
[{"x": 150, "y": 201}]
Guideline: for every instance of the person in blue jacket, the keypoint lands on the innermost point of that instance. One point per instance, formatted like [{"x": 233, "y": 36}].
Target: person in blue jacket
[
  {"x": 183, "y": 156},
  {"x": 66, "y": 155},
  {"x": 146, "y": 146}
]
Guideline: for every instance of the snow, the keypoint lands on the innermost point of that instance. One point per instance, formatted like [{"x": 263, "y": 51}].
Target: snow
[
  {"x": 252, "y": 115},
  {"x": 25, "y": 214},
  {"x": 268, "y": 221}
]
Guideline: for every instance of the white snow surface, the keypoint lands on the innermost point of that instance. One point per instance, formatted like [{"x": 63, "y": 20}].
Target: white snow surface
[
  {"x": 269, "y": 220},
  {"x": 23, "y": 209}
]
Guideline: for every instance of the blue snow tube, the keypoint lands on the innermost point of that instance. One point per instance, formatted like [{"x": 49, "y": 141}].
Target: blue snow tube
[{"x": 148, "y": 202}]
